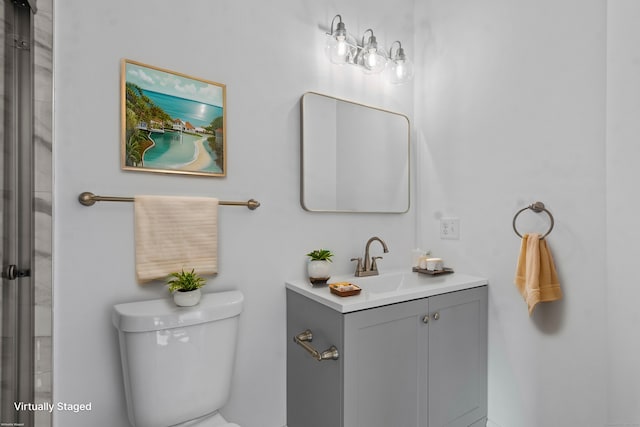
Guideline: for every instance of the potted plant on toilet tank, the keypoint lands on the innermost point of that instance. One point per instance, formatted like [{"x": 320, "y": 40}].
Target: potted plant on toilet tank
[
  {"x": 319, "y": 266},
  {"x": 185, "y": 287}
]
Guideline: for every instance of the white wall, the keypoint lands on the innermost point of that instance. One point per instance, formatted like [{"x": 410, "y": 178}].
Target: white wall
[
  {"x": 623, "y": 175},
  {"x": 268, "y": 54},
  {"x": 510, "y": 107},
  {"x": 512, "y": 110}
]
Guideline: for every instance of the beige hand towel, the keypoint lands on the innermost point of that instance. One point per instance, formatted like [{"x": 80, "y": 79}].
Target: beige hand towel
[
  {"x": 175, "y": 233},
  {"x": 536, "y": 275}
]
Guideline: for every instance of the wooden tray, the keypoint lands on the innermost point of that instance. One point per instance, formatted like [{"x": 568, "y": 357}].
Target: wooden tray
[
  {"x": 335, "y": 289},
  {"x": 433, "y": 272}
]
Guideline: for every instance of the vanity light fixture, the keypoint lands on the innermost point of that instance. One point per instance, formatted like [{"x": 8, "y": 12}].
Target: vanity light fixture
[{"x": 371, "y": 57}]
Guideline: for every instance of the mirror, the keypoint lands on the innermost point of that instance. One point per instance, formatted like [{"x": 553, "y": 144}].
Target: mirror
[{"x": 355, "y": 158}]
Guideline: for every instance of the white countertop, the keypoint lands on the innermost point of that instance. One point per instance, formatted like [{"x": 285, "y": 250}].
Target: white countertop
[{"x": 387, "y": 288}]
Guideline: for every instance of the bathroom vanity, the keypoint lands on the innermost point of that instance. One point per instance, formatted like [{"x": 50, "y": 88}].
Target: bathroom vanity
[{"x": 410, "y": 350}]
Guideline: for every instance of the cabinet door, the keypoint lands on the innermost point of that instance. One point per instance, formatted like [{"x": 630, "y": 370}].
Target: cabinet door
[
  {"x": 385, "y": 351},
  {"x": 458, "y": 358}
]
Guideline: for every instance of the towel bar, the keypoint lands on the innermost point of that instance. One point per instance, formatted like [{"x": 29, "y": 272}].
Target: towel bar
[
  {"x": 305, "y": 337},
  {"x": 536, "y": 207},
  {"x": 89, "y": 199}
]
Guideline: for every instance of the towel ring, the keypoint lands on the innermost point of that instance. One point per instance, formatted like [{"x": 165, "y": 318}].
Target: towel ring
[{"x": 536, "y": 207}]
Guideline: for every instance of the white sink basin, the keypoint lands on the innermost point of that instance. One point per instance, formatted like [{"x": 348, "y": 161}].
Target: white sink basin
[
  {"x": 387, "y": 288},
  {"x": 390, "y": 282}
]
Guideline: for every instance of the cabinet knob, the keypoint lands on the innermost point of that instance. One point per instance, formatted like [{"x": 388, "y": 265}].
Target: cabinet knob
[
  {"x": 425, "y": 319},
  {"x": 436, "y": 316}
]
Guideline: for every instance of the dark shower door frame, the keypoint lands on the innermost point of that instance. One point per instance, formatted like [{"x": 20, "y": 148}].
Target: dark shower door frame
[{"x": 17, "y": 363}]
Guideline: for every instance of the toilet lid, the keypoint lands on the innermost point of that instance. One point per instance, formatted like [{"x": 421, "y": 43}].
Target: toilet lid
[{"x": 159, "y": 314}]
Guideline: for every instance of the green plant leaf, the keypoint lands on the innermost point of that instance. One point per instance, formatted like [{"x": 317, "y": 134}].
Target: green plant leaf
[
  {"x": 185, "y": 281},
  {"x": 320, "y": 255}
]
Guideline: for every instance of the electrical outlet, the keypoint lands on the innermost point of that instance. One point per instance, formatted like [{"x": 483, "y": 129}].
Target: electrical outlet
[{"x": 450, "y": 228}]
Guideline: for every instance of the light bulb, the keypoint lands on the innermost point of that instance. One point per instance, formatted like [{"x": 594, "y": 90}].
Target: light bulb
[
  {"x": 370, "y": 59},
  {"x": 339, "y": 44},
  {"x": 337, "y": 50},
  {"x": 401, "y": 67},
  {"x": 341, "y": 49},
  {"x": 374, "y": 58},
  {"x": 373, "y": 62},
  {"x": 401, "y": 71}
]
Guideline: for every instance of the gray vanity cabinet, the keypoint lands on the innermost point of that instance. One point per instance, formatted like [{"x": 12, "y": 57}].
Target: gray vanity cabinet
[{"x": 419, "y": 363}]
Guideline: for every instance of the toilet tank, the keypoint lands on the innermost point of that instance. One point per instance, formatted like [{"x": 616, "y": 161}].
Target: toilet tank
[{"x": 177, "y": 361}]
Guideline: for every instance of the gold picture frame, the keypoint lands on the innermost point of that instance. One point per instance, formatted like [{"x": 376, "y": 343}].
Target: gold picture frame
[{"x": 171, "y": 122}]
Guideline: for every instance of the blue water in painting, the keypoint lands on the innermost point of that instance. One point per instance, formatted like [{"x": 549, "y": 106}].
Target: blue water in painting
[
  {"x": 196, "y": 113},
  {"x": 173, "y": 150}
]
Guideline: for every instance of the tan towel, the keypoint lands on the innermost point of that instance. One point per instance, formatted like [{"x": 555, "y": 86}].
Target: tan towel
[
  {"x": 175, "y": 233},
  {"x": 536, "y": 275}
]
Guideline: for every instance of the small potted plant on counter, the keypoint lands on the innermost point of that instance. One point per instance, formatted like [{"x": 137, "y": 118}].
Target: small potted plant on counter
[
  {"x": 319, "y": 266},
  {"x": 185, "y": 287}
]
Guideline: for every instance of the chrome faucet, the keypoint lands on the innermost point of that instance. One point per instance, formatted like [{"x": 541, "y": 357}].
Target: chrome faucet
[{"x": 370, "y": 267}]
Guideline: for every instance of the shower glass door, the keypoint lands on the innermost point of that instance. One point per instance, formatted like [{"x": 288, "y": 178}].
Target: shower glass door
[{"x": 16, "y": 208}]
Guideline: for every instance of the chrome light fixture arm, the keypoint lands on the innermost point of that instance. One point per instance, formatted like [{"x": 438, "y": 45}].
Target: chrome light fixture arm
[{"x": 340, "y": 28}]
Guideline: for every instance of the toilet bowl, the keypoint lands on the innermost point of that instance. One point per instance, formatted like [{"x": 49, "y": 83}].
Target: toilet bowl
[{"x": 177, "y": 361}]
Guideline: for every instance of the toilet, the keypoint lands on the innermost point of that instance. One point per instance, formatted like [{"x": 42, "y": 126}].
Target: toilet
[{"x": 177, "y": 361}]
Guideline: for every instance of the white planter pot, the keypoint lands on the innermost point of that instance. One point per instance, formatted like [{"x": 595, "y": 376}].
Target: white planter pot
[
  {"x": 319, "y": 272},
  {"x": 187, "y": 299}
]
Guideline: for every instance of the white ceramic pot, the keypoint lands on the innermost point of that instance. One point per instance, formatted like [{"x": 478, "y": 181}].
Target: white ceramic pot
[
  {"x": 319, "y": 271},
  {"x": 187, "y": 299}
]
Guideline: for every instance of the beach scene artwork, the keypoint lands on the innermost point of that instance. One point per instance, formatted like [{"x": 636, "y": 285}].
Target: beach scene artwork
[{"x": 171, "y": 122}]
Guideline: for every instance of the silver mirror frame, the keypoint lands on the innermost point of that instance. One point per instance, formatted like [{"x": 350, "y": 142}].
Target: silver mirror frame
[{"x": 305, "y": 205}]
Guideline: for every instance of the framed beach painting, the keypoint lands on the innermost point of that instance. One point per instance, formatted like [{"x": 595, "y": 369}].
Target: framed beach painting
[{"x": 171, "y": 122}]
